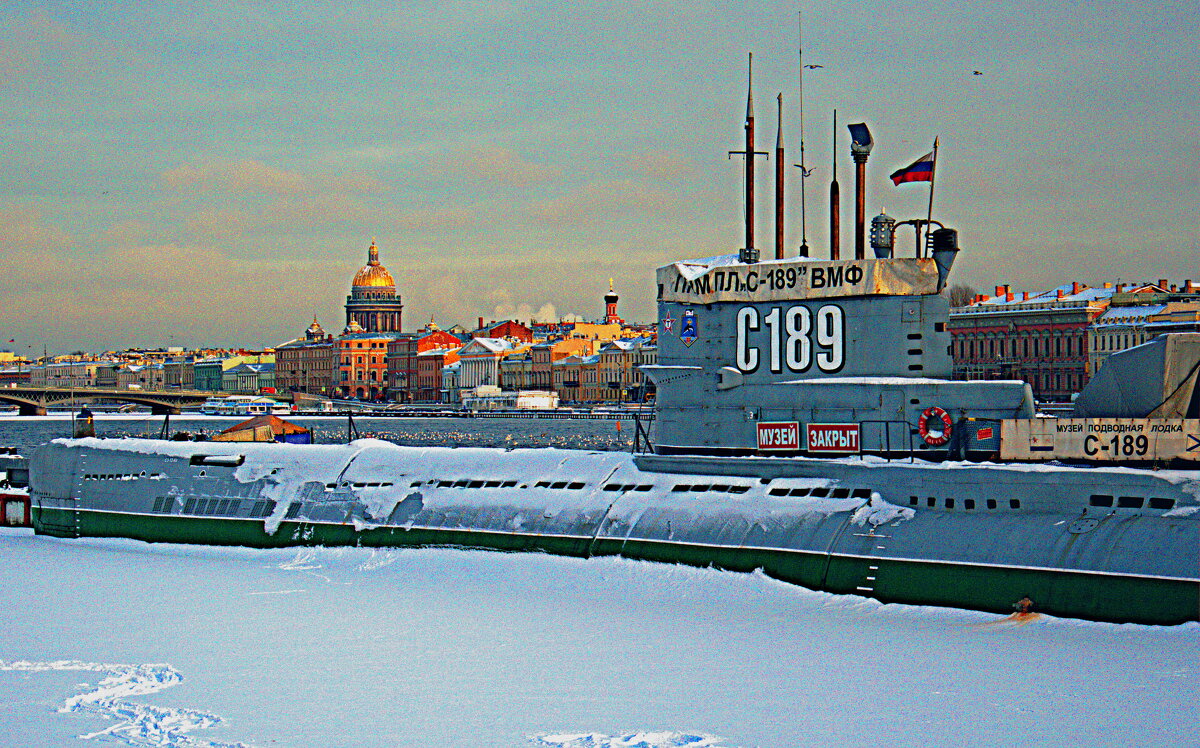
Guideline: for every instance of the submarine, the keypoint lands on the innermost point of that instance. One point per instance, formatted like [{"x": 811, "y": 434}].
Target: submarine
[{"x": 806, "y": 426}]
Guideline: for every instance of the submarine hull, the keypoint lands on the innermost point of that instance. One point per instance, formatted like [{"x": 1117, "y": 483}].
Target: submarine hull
[{"x": 954, "y": 534}]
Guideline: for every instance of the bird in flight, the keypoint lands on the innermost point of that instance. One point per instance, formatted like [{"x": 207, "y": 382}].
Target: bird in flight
[
  {"x": 976, "y": 72},
  {"x": 814, "y": 67}
]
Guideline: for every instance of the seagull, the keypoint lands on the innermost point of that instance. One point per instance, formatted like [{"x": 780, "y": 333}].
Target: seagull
[
  {"x": 976, "y": 72},
  {"x": 813, "y": 67}
]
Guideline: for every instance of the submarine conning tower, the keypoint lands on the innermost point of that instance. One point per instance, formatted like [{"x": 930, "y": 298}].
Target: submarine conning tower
[{"x": 815, "y": 357}]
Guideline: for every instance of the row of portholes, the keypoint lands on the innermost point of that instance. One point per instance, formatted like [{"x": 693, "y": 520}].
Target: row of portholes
[
  {"x": 932, "y": 502},
  {"x": 822, "y": 493},
  {"x": 1131, "y": 502},
  {"x": 122, "y": 476}
]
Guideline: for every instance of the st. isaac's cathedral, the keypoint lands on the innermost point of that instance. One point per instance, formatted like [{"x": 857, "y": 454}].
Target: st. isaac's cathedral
[{"x": 373, "y": 305}]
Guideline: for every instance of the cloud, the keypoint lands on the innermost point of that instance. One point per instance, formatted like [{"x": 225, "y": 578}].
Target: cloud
[
  {"x": 125, "y": 232},
  {"x": 250, "y": 176},
  {"x": 603, "y": 200},
  {"x": 661, "y": 166},
  {"x": 436, "y": 219},
  {"x": 313, "y": 210},
  {"x": 235, "y": 176},
  {"x": 493, "y": 164},
  {"x": 37, "y": 46},
  {"x": 211, "y": 226},
  {"x": 25, "y": 228}
]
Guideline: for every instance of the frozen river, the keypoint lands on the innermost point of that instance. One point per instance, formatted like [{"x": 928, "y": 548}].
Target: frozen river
[
  {"x": 160, "y": 645},
  {"x": 194, "y": 646},
  {"x": 24, "y": 433}
]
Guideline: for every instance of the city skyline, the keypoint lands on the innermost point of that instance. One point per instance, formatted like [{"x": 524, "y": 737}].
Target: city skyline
[{"x": 211, "y": 174}]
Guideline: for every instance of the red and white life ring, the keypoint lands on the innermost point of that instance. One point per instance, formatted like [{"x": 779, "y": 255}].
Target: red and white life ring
[{"x": 935, "y": 426}]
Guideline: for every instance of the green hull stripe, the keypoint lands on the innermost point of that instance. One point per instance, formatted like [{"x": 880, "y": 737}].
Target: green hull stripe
[{"x": 1077, "y": 594}]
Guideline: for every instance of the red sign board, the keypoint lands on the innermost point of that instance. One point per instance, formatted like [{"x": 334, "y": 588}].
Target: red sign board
[
  {"x": 984, "y": 433},
  {"x": 833, "y": 437},
  {"x": 780, "y": 436}
]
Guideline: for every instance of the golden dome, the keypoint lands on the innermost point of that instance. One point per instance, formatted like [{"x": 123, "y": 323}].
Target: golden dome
[{"x": 373, "y": 275}]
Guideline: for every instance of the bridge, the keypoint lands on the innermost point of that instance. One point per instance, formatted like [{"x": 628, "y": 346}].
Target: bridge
[{"x": 34, "y": 401}]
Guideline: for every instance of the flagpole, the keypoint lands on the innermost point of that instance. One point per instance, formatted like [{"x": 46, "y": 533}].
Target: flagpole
[{"x": 932, "y": 177}]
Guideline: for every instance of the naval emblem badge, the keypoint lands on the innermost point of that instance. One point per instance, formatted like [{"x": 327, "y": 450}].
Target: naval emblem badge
[
  {"x": 668, "y": 323},
  {"x": 688, "y": 328}
]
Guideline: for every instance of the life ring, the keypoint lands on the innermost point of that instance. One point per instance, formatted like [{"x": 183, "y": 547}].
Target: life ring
[{"x": 935, "y": 434}]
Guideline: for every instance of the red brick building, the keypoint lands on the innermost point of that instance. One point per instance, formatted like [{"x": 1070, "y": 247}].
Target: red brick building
[
  {"x": 402, "y": 356},
  {"x": 506, "y": 329},
  {"x": 362, "y": 363},
  {"x": 306, "y": 364},
  {"x": 1041, "y": 339}
]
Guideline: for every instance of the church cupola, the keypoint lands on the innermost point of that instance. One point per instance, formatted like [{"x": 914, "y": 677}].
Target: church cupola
[{"x": 610, "y": 306}]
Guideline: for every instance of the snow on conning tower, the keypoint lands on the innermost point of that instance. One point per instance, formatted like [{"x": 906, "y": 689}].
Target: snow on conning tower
[{"x": 805, "y": 343}]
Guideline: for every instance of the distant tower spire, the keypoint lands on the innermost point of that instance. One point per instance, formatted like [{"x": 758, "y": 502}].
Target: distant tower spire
[
  {"x": 373, "y": 253},
  {"x": 610, "y": 305}
]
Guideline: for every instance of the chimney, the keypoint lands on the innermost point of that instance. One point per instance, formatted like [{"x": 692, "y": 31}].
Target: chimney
[
  {"x": 1162, "y": 282},
  {"x": 1000, "y": 290},
  {"x": 1108, "y": 284},
  {"x": 1009, "y": 296},
  {"x": 861, "y": 143},
  {"x": 1025, "y": 296},
  {"x": 1076, "y": 287},
  {"x": 1060, "y": 293},
  {"x": 1187, "y": 285},
  {"x": 480, "y": 325},
  {"x": 835, "y": 203}
]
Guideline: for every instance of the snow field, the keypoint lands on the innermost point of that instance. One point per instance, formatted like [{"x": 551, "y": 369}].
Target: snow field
[{"x": 361, "y": 647}]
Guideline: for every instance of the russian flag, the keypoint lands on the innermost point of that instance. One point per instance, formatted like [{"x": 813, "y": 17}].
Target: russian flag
[{"x": 919, "y": 171}]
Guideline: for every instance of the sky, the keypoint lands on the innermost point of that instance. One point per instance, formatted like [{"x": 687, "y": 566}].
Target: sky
[{"x": 212, "y": 173}]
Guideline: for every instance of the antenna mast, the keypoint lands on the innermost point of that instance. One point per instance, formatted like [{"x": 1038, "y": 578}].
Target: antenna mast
[
  {"x": 803, "y": 168},
  {"x": 749, "y": 253},
  {"x": 779, "y": 182}
]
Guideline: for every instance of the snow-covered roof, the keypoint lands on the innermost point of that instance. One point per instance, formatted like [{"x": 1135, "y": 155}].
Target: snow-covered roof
[
  {"x": 486, "y": 345},
  {"x": 1124, "y": 315}
]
